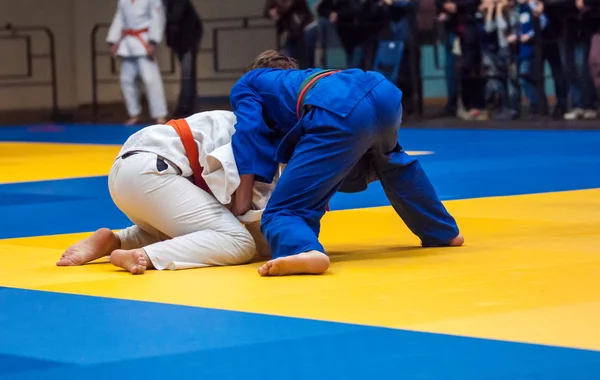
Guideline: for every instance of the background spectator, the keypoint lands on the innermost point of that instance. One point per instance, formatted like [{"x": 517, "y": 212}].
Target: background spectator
[
  {"x": 343, "y": 15},
  {"x": 524, "y": 37},
  {"x": 502, "y": 88},
  {"x": 551, "y": 52},
  {"x": 291, "y": 18},
  {"x": 402, "y": 22},
  {"x": 577, "y": 45},
  {"x": 447, "y": 15},
  {"x": 184, "y": 33},
  {"x": 135, "y": 32}
]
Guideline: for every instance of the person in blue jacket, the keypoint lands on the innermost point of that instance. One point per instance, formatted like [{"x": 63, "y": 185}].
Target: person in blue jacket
[{"x": 336, "y": 131}]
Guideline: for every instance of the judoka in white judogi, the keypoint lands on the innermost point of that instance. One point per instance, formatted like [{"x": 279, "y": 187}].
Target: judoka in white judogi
[
  {"x": 178, "y": 224},
  {"x": 136, "y": 29}
]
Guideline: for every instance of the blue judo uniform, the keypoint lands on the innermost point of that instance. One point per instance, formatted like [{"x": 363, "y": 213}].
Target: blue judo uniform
[{"x": 345, "y": 139}]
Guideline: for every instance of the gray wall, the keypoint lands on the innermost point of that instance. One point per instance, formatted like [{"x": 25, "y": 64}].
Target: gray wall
[{"x": 72, "y": 22}]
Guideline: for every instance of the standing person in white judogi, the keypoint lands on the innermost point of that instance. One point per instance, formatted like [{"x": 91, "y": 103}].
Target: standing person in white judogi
[
  {"x": 136, "y": 30},
  {"x": 178, "y": 225}
]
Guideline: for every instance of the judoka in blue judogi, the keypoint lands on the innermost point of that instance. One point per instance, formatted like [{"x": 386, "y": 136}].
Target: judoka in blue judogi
[{"x": 337, "y": 131}]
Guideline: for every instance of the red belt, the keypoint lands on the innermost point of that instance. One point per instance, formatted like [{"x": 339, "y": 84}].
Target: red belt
[
  {"x": 191, "y": 151},
  {"x": 309, "y": 83},
  {"x": 137, "y": 33}
]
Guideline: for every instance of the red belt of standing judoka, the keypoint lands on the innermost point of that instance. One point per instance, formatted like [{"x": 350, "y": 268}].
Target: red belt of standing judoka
[
  {"x": 308, "y": 84},
  {"x": 182, "y": 128},
  {"x": 137, "y": 33}
]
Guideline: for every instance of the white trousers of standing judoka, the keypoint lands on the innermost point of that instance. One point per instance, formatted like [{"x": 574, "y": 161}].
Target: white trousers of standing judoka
[
  {"x": 178, "y": 224},
  {"x": 148, "y": 70}
]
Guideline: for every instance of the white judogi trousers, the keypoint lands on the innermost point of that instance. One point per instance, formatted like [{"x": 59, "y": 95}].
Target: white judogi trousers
[
  {"x": 178, "y": 224},
  {"x": 131, "y": 69}
]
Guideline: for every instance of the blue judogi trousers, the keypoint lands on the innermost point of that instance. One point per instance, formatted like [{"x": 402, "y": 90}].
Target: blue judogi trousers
[{"x": 333, "y": 150}]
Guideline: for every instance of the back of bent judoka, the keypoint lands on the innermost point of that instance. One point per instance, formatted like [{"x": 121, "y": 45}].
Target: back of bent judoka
[
  {"x": 346, "y": 139},
  {"x": 179, "y": 225}
]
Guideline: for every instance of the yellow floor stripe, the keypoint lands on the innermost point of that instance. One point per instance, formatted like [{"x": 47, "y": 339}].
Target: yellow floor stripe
[
  {"x": 25, "y": 162},
  {"x": 530, "y": 272}
]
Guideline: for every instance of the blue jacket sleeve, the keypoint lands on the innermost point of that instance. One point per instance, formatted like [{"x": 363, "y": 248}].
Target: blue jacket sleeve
[{"x": 254, "y": 143}]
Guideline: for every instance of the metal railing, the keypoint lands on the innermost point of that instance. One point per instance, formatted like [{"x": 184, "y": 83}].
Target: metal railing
[
  {"x": 12, "y": 32},
  {"x": 542, "y": 44}
]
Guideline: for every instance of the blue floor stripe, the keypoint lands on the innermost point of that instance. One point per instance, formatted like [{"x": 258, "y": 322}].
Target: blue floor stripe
[
  {"x": 105, "y": 338},
  {"x": 466, "y": 164},
  {"x": 77, "y": 134},
  {"x": 16, "y": 364}
]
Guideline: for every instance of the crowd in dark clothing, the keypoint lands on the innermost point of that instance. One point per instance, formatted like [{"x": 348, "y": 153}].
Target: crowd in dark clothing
[
  {"x": 496, "y": 51},
  {"x": 359, "y": 24}
]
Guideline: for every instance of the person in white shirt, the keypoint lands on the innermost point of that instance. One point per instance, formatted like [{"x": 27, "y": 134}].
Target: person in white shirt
[
  {"x": 136, "y": 30},
  {"x": 178, "y": 224}
]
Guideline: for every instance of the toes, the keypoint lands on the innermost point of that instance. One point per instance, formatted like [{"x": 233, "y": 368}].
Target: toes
[
  {"x": 273, "y": 270},
  {"x": 264, "y": 270},
  {"x": 65, "y": 262},
  {"x": 269, "y": 269},
  {"x": 137, "y": 269},
  {"x": 65, "y": 255}
]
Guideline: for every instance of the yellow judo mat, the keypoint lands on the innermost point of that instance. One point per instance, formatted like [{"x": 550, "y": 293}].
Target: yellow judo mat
[
  {"x": 22, "y": 161},
  {"x": 518, "y": 276},
  {"x": 529, "y": 271}
]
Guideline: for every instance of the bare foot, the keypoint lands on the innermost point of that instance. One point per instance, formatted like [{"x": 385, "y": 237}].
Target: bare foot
[
  {"x": 101, "y": 243},
  {"x": 457, "y": 241},
  {"x": 135, "y": 261},
  {"x": 312, "y": 262},
  {"x": 133, "y": 120}
]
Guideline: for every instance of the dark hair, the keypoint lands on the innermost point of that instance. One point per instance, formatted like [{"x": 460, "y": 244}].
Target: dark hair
[{"x": 271, "y": 59}]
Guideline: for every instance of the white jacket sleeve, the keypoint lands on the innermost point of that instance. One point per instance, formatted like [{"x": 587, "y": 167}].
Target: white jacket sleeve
[
  {"x": 157, "y": 22},
  {"x": 116, "y": 27}
]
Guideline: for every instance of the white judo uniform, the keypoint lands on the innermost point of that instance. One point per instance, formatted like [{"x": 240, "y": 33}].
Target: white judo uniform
[
  {"x": 134, "y": 25},
  {"x": 178, "y": 224}
]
